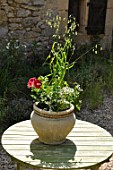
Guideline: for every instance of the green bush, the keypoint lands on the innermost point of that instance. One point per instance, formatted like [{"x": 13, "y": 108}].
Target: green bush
[
  {"x": 11, "y": 59},
  {"x": 15, "y": 70},
  {"x": 94, "y": 72}
]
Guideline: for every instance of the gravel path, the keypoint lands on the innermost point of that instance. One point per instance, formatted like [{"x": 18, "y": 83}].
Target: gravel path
[{"x": 103, "y": 116}]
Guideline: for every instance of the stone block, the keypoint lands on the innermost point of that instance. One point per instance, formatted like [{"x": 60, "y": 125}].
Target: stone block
[
  {"x": 37, "y": 30},
  {"x": 38, "y": 2},
  {"x": 110, "y": 4},
  {"x": 15, "y": 26},
  {"x": 35, "y": 13},
  {"x": 22, "y": 1},
  {"x": 30, "y": 21},
  {"x": 10, "y": 14},
  {"x": 19, "y": 34},
  {"x": 3, "y": 17},
  {"x": 30, "y": 34},
  {"x": 62, "y": 4},
  {"x": 108, "y": 30},
  {"x": 15, "y": 20},
  {"x": 109, "y": 16},
  {"x": 23, "y": 13},
  {"x": 10, "y": 2},
  {"x": 32, "y": 8},
  {"x": 58, "y": 4},
  {"x": 3, "y": 31}
]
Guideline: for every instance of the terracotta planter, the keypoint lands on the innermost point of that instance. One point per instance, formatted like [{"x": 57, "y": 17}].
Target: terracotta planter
[{"x": 52, "y": 127}]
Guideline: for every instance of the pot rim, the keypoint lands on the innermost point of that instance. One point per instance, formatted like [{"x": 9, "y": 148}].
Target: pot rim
[{"x": 52, "y": 113}]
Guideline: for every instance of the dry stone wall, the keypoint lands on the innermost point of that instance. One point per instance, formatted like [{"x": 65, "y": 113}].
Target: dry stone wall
[
  {"x": 3, "y": 18},
  {"x": 25, "y": 19}
]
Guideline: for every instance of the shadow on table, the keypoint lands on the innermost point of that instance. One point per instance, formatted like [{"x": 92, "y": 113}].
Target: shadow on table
[{"x": 52, "y": 156}]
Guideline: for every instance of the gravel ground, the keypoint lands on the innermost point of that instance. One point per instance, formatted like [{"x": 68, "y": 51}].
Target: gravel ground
[{"x": 103, "y": 116}]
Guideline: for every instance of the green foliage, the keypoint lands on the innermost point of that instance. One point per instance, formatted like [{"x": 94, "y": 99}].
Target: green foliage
[
  {"x": 15, "y": 69},
  {"x": 94, "y": 72},
  {"x": 3, "y": 109},
  {"x": 107, "y": 72},
  {"x": 55, "y": 93},
  {"x": 11, "y": 58},
  {"x": 93, "y": 95},
  {"x": 13, "y": 111}
]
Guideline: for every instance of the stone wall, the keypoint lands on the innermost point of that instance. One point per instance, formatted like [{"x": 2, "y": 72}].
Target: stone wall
[
  {"x": 108, "y": 38},
  {"x": 3, "y": 18},
  {"x": 25, "y": 20}
]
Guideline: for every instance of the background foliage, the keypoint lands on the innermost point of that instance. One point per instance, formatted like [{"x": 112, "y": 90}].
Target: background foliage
[{"x": 94, "y": 72}]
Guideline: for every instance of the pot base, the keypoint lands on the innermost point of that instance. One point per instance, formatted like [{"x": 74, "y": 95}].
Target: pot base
[{"x": 52, "y": 143}]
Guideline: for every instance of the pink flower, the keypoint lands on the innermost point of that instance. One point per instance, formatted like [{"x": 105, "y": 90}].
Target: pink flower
[
  {"x": 31, "y": 82},
  {"x": 37, "y": 83}
]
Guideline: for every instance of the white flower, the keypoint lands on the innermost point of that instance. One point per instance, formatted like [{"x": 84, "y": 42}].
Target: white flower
[
  {"x": 8, "y": 45},
  {"x": 67, "y": 90}
]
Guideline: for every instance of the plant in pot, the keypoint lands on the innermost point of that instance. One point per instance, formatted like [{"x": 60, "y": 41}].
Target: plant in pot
[{"x": 53, "y": 114}]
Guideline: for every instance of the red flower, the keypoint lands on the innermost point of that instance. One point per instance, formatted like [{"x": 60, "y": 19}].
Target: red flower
[
  {"x": 31, "y": 82},
  {"x": 37, "y": 83}
]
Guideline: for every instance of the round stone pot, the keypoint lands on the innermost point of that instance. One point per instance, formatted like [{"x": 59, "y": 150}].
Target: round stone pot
[{"x": 52, "y": 127}]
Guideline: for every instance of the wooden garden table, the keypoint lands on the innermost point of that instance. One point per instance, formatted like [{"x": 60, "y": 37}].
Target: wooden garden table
[{"x": 86, "y": 146}]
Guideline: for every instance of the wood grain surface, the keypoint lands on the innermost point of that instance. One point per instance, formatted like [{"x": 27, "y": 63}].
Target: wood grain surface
[{"x": 87, "y": 145}]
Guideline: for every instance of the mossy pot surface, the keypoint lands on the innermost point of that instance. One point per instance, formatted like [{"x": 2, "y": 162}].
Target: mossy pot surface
[{"x": 52, "y": 127}]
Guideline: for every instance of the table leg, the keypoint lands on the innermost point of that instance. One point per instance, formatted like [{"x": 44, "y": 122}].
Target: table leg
[{"x": 19, "y": 167}]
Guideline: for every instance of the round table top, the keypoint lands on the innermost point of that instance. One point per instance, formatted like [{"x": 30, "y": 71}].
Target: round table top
[{"x": 85, "y": 146}]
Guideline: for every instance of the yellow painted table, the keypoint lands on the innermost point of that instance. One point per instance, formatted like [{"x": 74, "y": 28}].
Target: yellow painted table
[{"x": 86, "y": 146}]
